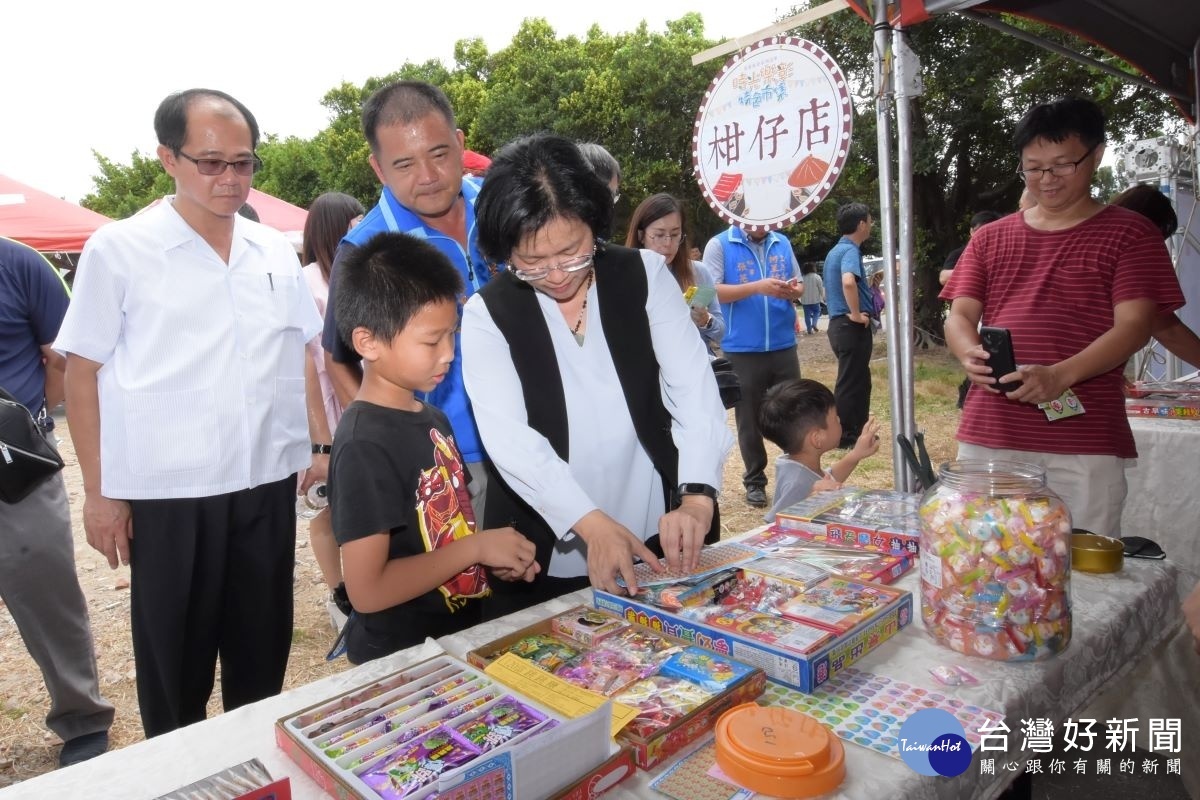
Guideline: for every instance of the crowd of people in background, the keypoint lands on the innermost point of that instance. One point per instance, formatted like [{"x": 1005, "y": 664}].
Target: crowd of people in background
[{"x": 506, "y": 404}]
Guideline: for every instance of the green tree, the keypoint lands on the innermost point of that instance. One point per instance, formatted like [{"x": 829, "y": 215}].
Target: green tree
[
  {"x": 122, "y": 191},
  {"x": 293, "y": 169}
]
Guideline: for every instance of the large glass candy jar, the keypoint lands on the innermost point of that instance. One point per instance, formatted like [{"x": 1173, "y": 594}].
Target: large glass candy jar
[{"x": 996, "y": 561}]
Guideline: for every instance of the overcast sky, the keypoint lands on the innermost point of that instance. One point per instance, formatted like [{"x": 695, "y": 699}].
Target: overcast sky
[{"x": 81, "y": 76}]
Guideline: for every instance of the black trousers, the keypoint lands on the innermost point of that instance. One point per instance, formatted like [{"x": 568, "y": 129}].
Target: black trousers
[
  {"x": 758, "y": 372},
  {"x": 211, "y": 577},
  {"x": 851, "y": 343}
]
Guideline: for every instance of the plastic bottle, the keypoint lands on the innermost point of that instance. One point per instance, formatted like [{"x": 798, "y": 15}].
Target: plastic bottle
[{"x": 313, "y": 502}]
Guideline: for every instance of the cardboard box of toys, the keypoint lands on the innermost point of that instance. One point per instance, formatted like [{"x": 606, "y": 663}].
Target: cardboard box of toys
[
  {"x": 671, "y": 693},
  {"x": 443, "y": 727},
  {"x": 800, "y": 635},
  {"x": 870, "y": 519},
  {"x": 848, "y": 562}
]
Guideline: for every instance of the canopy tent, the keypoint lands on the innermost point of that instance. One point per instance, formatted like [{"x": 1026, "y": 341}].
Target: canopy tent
[
  {"x": 43, "y": 221},
  {"x": 1160, "y": 38},
  {"x": 278, "y": 214}
]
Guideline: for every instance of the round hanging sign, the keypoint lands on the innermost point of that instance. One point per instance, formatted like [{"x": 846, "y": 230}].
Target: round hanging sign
[{"x": 772, "y": 134}]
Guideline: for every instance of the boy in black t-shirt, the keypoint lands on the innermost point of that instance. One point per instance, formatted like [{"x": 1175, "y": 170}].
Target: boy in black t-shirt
[{"x": 412, "y": 560}]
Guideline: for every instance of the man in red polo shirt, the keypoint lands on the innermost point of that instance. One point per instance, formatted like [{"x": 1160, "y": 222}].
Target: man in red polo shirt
[{"x": 1078, "y": 284}]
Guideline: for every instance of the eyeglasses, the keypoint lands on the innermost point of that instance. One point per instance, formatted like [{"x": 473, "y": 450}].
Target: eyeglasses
[
  {"x": 217, "y": 166},
  {"x": 567, "y": 267},
  {"x": 1058, "y": 170},
  {"x": 665, "y": 238}
]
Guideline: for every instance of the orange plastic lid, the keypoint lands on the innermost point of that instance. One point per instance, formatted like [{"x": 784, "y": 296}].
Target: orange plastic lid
[{"x": 779, "y": 751}]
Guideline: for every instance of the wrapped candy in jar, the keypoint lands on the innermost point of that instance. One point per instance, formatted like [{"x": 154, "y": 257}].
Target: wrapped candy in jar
[{"x": 996, "y": 561}]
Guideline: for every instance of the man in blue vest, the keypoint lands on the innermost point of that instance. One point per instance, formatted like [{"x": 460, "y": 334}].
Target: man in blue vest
[
  {"x": 417, "y": 152},
  {"x": 758, "y": 280},
  {"x": 851, "y": 307}
]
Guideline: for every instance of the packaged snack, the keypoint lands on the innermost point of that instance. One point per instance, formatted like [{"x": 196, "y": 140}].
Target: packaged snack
[
  {"x": 704, "y": 668},
  {"x": 660, "y": 701},
  {"x": 411, "y": 729},
  {"x": 548, "y": 652},
  {"x": 443, "y": 693},
  {"x": 607, "y": 670},
  {"x": 420, "y": 763},
  {"x": 770, "y": 628},
  {"x": 953, "y": 675},
  {"x": 642, "y": 643},
  {"x": 797, "y": 573},
  {"x": 503, "y": 721},
  {"x": 371, "y": 691},
  {"x": 692, "y": 592},
  {"x": 838, "y": 605},
  {"x": 586, "y": 626},
  {"x": 761, "y": 593}
]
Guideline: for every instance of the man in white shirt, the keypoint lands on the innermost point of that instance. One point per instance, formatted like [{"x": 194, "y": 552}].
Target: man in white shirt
[{"x": 186, "y": 403}]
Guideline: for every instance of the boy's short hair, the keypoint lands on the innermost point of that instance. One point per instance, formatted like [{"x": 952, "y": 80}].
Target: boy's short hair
[
  {"x": 381, "y": 285},
  {"x": 1056, "y": 121},
  {"x": 792, "y": 409}
]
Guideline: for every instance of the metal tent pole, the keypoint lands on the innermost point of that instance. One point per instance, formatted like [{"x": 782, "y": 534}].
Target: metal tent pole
[
  {"x": 883, "y": 126},
  {"x": 907, "y": 69}
]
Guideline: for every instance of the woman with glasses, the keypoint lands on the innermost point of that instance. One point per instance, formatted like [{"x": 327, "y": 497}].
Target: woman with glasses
[
  {"x": 659, "y": 225},
  {"x": 592, "y": 393}
]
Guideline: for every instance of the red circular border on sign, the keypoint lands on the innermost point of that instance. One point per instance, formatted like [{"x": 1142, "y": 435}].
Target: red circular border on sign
[{"x": 846, "y": 109}]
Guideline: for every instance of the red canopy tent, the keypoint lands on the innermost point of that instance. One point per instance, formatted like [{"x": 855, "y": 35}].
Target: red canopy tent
[
  {"x": 279, "y": 214},
  {"x": 43, "y": 221}
]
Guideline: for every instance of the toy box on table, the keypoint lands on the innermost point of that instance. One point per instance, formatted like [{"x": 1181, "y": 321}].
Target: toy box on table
[
  {"x": 847, "y": 562},
  {"x": 676, "y": 692},
  {"x": 871, "y": 519},
  {"x": 441, "y": 727},
  {"x": 801, "y": 656}
]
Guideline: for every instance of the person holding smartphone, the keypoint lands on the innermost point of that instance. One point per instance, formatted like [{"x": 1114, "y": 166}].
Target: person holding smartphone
[{"x": 1078, "y": 285}]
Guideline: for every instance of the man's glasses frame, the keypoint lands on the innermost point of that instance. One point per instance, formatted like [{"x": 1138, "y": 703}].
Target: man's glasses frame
[
  {"x": 566, "y": 267},
  {"x": 1057, "y": 170},
  {"x": 217, "y": 166}
]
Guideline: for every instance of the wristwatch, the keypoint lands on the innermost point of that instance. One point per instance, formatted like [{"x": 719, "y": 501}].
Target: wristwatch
[
  {"x": 697, "y": 488},
  {"x": 322, "y": 449}
]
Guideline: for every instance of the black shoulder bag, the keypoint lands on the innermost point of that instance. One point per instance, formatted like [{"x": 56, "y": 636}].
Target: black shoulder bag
[{"x": 26, "y": 458}]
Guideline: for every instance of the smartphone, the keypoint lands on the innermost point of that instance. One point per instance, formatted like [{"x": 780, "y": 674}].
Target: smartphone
[{"x": 998, "y": 344}]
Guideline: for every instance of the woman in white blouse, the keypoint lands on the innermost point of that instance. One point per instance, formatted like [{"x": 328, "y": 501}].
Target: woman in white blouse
[{"x": 592, "y": 391}]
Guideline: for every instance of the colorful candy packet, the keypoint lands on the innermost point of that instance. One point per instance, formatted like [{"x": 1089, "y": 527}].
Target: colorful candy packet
[
  {"x": 546, "y": 651},
  {"x": 418, "y": 729},
  {"x": 500, "y": 723},
  {"x": 420, "y": 763},
  {"x": 660, "y": 701}
]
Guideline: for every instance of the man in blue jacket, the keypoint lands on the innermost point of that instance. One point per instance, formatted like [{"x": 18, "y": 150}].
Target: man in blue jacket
[
  {"x": 758, "y": 280},
  {"x": 416, "y": 152}
]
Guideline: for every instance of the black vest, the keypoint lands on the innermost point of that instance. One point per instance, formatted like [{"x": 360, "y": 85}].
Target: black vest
[{"x": 621, "y": 292}]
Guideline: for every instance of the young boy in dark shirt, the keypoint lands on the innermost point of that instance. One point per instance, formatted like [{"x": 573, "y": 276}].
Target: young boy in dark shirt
[
  {"x": 800, "y": 417},
  {"x": 412, "y": 559}
]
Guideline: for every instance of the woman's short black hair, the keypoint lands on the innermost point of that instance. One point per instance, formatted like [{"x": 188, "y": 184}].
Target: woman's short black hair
[{"x": 532, "y": 181}]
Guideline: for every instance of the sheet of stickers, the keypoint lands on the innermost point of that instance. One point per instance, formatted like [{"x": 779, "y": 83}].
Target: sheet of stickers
[{"x": 868, "y": 709}]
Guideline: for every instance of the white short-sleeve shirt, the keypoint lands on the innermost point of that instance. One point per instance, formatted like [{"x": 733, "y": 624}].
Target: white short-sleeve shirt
[{"x": 202, "y": 384}]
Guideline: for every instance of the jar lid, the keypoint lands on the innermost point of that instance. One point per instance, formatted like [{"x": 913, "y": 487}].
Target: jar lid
[
  {"x": 779, "y": 751},
  {"x": 1091, "y": 552}
]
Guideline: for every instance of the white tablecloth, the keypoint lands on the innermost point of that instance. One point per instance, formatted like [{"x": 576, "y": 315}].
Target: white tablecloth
[
  {"x": 1117, "y": 618},
  {"x": 1164, "y": 501}
]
